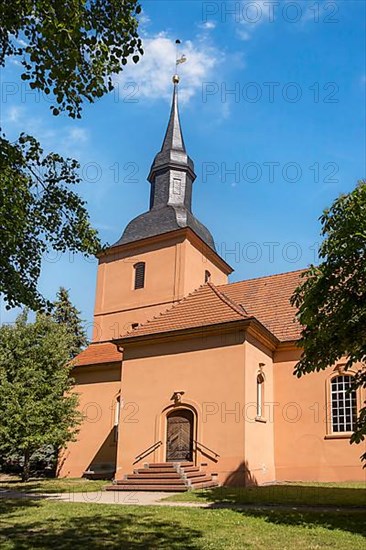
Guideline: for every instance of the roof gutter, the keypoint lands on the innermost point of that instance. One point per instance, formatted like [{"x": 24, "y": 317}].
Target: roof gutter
[{"x": 250, "y": 324}]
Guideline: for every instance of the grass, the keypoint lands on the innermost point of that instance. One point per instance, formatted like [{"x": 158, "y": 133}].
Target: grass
[
  {"x": 41, "y": 524},
  {"x": 58, "y": 485},
  {"x": 309, "y": 494}
]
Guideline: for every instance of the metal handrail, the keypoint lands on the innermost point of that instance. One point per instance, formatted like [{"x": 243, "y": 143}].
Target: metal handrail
[
  {"x": 148, "y": 451},
  {"x": 207, "y": 448}
]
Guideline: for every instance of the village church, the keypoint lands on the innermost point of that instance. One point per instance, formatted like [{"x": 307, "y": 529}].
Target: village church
[{"x": 189, "y": 381}]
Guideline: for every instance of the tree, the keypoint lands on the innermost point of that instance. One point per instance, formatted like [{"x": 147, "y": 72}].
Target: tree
[
  {"x": 331, "y": 300},
  {"x": 36, "y": 405},
  {"x": 38, "y": 211},
  {"x": 65, "y": 313},
  {"x": 69, "y": 51}
]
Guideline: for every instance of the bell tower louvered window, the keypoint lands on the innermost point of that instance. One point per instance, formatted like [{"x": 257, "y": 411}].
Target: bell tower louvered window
[{"x": 139, "y": 275}]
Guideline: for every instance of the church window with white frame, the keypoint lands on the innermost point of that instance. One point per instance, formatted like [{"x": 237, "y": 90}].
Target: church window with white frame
[{"x": 343, "y": 404}]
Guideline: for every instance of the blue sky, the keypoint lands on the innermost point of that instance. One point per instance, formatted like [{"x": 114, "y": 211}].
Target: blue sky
[{"x": 272, "y": 101}]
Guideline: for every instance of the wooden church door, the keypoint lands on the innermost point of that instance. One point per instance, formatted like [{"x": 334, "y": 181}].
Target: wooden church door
[{"x": 179, "y": 445}]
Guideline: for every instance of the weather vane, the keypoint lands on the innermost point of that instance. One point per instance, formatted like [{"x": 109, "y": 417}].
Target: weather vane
[{"x": 178, "y": 61}]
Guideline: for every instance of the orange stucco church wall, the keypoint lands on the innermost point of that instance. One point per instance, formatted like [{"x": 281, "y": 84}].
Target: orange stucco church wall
[
  {"x": 212, "y": 379},
  {"x": 304, "y": 447},
  {"x": 98, "y": 388},
  {"x": 259, "y": 432},
  {"x": 218, "y": 376},
  {"x": 174, "y": 268}
]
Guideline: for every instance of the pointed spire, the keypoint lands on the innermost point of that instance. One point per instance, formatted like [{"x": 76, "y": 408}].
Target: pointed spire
[
  {"x": 171, "y": 177},
  {"x": 173, "y": 137},
  {"x": 173, "y": 152}
]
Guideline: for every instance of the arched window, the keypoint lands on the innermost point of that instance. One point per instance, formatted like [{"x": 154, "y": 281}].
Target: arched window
[
  {"x": 260, "y": 392},
  {"x": 139, "y": 275},
  {"x": 343, "y": 403},
  {"x": 207, "y": 276},
  {"x": 117, "y": 412}
]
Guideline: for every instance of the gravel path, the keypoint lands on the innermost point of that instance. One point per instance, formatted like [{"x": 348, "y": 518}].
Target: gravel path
[{"x": 152, "y": 498}]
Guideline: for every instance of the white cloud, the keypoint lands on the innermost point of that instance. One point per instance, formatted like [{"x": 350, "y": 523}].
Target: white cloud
[
  {"x": 243, "y": 34},
  {"x": 21, "y": 42},
  {"x": 152, "y": 75},
  {"x": 78, "y": 135},
  {"x": 14, "y": 114},
  {"x": 208, "y": 25},
  {"x": 53, "y": 134},
  {"x": 251, "y": 15},
  {"x": 144, "y": 20}
]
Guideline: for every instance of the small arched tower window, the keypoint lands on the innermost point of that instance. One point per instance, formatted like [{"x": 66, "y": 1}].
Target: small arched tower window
[
  {"x": 344, "y": 404},
  {"x": 139, "y": 275},
  {"x": 260, "y": 394},
  {"x": 207, "y": 276}
]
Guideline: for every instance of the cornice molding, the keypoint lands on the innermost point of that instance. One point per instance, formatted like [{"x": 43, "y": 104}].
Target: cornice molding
[{"x": 176, "y": 236}]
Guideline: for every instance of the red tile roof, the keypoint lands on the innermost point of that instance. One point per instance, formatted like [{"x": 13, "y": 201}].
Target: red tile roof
[
  {"x": 265, "y": 298},
  {"x": 205, "y": 306},
  {"x": 268, "y": 299},
  {"x": 94, "y": 354}
]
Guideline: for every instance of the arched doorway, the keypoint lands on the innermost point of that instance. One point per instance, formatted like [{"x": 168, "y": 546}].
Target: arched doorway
[{"x": 179, "y": 436}]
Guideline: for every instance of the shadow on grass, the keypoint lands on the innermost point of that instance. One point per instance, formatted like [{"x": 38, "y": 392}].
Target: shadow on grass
[
  {"x": 53, "y": 485},
  {"x": 335, "y": 499},
  {"x": 350, "y": 521},
  {"x": 307, "y": 495},
  {"x": 85, "y": 527}
]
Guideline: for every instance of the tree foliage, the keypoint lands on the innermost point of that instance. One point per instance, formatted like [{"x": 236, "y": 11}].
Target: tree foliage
[
  {"x": 70, "y": 49},
  {"x": 331, "y": 300},
  {"x": 36, "y": 405},
  {"x": 65, "y": 313},
  {"x": 38, "y": 211}
]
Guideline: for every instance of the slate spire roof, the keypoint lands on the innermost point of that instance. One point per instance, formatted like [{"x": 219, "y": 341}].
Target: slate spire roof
[
  {"x": 173, "y": 140},
  {"x": 171, "y": 177}
]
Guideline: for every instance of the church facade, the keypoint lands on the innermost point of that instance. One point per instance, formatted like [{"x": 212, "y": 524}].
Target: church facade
[{"x": 186, "y": 368}]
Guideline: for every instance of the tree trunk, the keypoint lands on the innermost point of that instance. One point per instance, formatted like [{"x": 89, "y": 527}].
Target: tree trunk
[{"x": 26, "y": 467}]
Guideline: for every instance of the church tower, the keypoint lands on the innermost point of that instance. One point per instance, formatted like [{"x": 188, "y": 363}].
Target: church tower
[{"x": 164, "y": 253}]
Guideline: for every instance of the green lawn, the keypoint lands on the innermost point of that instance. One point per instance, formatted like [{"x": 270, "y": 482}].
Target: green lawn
[
  {"x": 40, "y": 524},
  {"x": 310, "y": 494},
  {"x": 76, "y": 485}
]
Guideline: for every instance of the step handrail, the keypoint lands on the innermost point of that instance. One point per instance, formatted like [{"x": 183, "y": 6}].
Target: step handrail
[
  {"x": 147, "y": 451},
  {"x": 216, "y": 455}
]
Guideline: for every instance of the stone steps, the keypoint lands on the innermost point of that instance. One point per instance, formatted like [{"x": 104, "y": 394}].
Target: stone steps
[
  {"x": 165, "y": 476},
  {"x": 137, "y": 487},
  {"x": 158, "y": 475}
]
